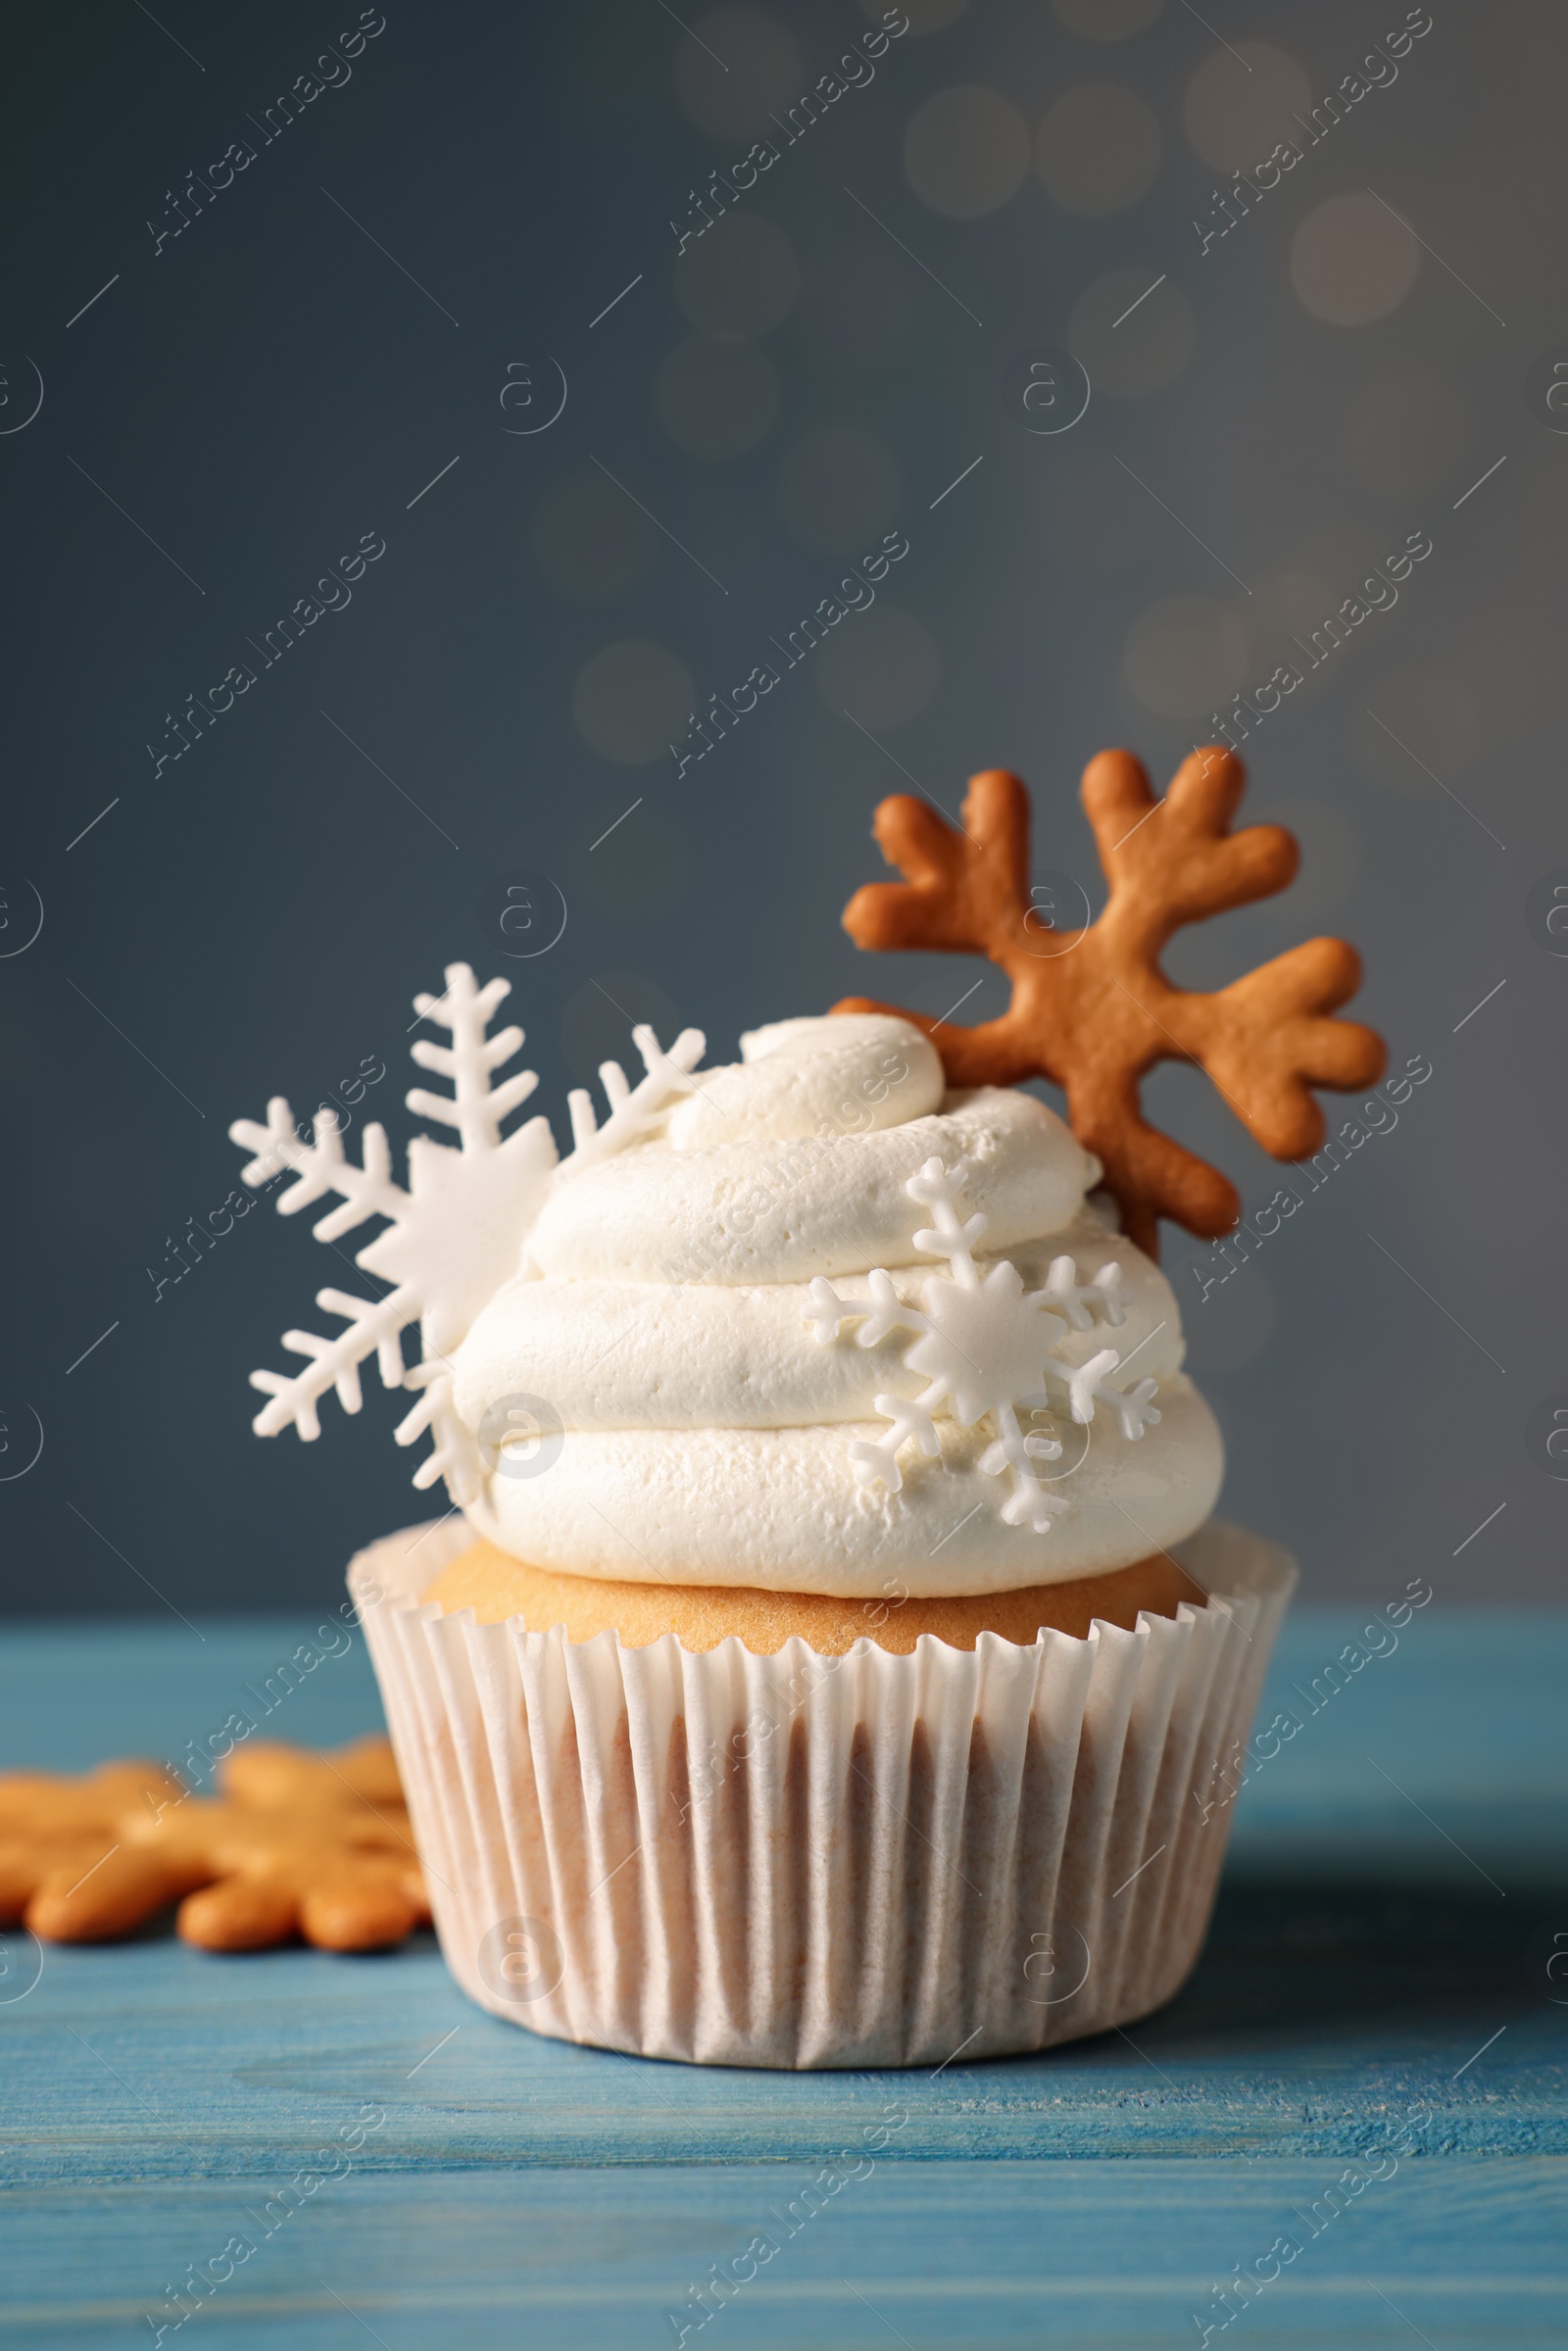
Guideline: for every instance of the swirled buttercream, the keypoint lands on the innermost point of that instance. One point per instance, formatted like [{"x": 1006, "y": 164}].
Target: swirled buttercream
[
  {"x": 765, "y": 1374},
  {"x": 767, "y": 1210}
]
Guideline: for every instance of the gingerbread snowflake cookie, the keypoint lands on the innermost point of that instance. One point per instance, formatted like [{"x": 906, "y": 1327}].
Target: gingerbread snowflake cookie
[
  {"x": 297, "y": 1842},
  {"x": 1091, "y": 1009}
]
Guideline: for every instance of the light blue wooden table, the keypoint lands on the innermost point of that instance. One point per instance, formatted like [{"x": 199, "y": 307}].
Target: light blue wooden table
[{"x": 1377, "y": 2006}]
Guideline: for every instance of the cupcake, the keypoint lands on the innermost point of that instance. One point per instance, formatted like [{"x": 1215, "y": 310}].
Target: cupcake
[{"x": 830, "y": 1657}]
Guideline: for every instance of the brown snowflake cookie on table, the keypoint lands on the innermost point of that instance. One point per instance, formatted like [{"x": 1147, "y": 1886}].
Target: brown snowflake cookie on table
[
  {"x": 297, "y": 1842},
  {"x": 1091, "y": 1009}
]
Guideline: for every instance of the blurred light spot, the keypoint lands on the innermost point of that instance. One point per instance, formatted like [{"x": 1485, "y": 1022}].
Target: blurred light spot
[
  {"x": 860, "y": 304},
  {"x": 925, "y": 16},
  {"x": 1331, "y": 852},
  {"x": 1184, "y": 656},
  {"x": 632, "y": 701},
  {"x": 736, "y": 68},
  {"x": 1098, "y": 148},
  {"x": 1429, "y": 718},
  {"x": 589, "y": 541},
  {"x": 738, "y": 279},
  {"x": 598, "y": 1021},
  {"x": 838, "y": 491},
  {"x": 1403, "y": 434},
  {"x": 717, "y": 400},
  {"x": 1236, "y": 117},
  {"x": 882, "y": 666},
  {"x": 1108, "y": 19},
  {"x": 1351, "y": 262},
  {"x": 1147, "y": 349},
  {"x": 966, "y": 151}
]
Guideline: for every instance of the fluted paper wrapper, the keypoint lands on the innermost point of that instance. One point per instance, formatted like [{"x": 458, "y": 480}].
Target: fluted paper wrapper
[{"x": 797, "y": 1860}]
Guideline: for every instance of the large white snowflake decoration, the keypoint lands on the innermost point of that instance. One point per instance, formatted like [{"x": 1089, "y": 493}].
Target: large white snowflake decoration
[
  {"x": 984, "y": 1343},
  {"x": 457, "y": 1233}
]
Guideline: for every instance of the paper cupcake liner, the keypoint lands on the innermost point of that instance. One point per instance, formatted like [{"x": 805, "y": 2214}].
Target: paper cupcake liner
[{"x": 800, "y": 1861}]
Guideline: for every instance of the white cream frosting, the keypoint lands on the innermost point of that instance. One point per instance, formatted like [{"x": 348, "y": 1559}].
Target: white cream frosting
[
  {"x": 795, "y": 1077},
  {"x": 763, "y": 1209},
  {"x": 779, "y": 1508},
  {"x": 684, "y": 1355},
  {"x": 667, "y": 1318}
]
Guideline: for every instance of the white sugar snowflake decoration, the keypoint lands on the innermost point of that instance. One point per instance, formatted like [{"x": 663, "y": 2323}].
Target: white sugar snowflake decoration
[
  {"x": 457, "y": 1233},
  {"x": 983, "y": 1345}
]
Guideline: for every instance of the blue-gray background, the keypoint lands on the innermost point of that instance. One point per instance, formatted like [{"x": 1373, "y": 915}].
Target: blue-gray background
[{"x": 341, "y": 323}]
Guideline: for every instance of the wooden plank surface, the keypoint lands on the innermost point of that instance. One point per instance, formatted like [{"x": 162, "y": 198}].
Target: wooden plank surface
[
  {"x": 1374, "y": 2007},
  {"x": 1091, "y": 2256}
]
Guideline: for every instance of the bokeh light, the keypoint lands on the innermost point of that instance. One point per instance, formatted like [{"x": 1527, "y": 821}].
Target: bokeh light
[
  {"x": 631, "y": 700},
  {"x": 1241, "y": 102},
  {"x": 1353, "y": 261},
  {"x": 1184, "y": 656},
  {"x": 1132, "y": 341},
  {"x": 736, "y": 68}
]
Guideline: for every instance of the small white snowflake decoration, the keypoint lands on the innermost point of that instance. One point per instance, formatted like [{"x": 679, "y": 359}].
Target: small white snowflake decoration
[
  {"x": 983, "y": 1345},
  {"x": 456, "y": 1235}
]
